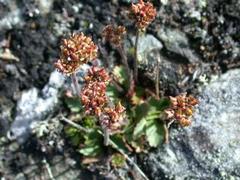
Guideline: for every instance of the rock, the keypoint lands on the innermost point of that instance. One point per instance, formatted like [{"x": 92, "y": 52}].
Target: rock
[
  {"x": 6, "y": 107},
  {"x": 170, "y": 73},
  {"x": 44, "y": 6},
  {"x": 146, "y": 44},
  {"x": 173, "y": 75},
  {"x": 177, "y": 44},
  {"x": 35, "y": 106},
  {"x": 209, "y": 148},
  {"x": 12, "y": 17}
]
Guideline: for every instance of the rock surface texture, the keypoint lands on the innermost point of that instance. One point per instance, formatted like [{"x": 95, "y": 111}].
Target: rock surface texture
[
  {"x": 35, "y": 107},
  {"x": 209, "y": 149}
]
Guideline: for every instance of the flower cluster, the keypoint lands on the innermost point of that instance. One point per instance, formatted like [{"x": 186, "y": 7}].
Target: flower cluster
[
  {"x": 93, "y": 94},
  {"x": 113, "y": 117},
  {"x": 143, "y": 13},
  {"x": 181, "y": 109},
  {"x": 114, "y": 35},
  {"x": 95, "y": 101},
  {"x": 75, "y": 51}
]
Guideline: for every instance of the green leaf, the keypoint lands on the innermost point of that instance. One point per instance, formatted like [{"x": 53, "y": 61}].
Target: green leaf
[
  {"x": 92, "y": 145},
  {"x": 89, "y": 122},
  {"x": 74, "y": 135},
  {"x": 147, "y": 122},
  {"x": 73, "y": 104},
  {"x": 154, "y": 133},
  {"x": 139, "y": 130},
  {"x": 118, "y": 160},
  {"x": 90, "y": 150},
  {"x": 141, "y": 111},
  {"x": 112, "y": 92},
  {"x": 118, "y": 140},
  {"x": 159, "y": 105}
]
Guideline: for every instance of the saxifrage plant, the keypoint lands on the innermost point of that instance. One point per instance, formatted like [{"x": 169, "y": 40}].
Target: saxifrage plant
[{"x": 115, "y": 110}]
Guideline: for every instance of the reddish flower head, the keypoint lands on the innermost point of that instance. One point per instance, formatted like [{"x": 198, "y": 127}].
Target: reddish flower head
[
  {"x": 75, "y": 51},
  {"x": 181, "y": 109},
  {"x": 93, "y": 94},
  {"x": 143, "y": 13},
  {"x": 113, "y": 118},
  {"x": 96, "y": 102},
  {"x": 114, "y": 35}
]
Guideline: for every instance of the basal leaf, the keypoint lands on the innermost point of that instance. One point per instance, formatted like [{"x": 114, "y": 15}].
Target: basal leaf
[
  {"x": 92, "y": 144},
  {"x": 118, "y": 140},
  {"x": 141, "y": 111},
  {"x": 159, "y": 105},
  {"x": 73, "y": 104},
  {"x": 91, "y": 150},
  {"x": 154, "y": 133},
  {"x": 139, "y": 130},
  {"x": 74, "y": 135},
  {"x": 112, "y": 92}
]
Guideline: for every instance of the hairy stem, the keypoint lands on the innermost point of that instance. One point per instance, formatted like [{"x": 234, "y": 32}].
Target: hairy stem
[
  {"x": 106, "y": 136},
  {"x": 131, "y": 84},
  {"x": 124, "y": 59},
  {"x": 115, "y": 146},
  {"x": 135, "y": 66},
  {"x": 75, "y": 84},
  {"x": 105, "y": 55},
  {"x": 166, "y": 133}
]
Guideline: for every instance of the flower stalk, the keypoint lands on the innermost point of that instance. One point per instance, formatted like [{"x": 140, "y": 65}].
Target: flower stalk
[
  {"x": 135, "y": 65},
  {"x": 157, "y": 88},
  {"x": 166, "y": 133},
  {"x": 75, "y": 84}
]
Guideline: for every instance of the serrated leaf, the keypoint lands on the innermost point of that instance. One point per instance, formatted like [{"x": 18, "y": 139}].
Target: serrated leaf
[
  {"x": 118, "y": 140},
  {"x": 141, "y": 111},
  {"x": 112, "y": 92},
  {"x": 159, "y": 105},
  {"x": 139, "y": 130},
  {"x": 92, "y": 145},
  {"x": 74, "y": 135},
  {"x": 92, "y": 150},
  {"x": 154, "y": 133},
  {"x": 73, "y": 104}
]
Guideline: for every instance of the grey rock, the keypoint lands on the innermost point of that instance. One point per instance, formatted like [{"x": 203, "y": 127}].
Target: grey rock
[
  {"x": 172, "y": 74},
  {"x": 35, "y": 107},
  {"x": 146, "y": 44},
  {"x": 20, "y": 176},
  {"x": 6, "y": 107},
  {"x": 44, "y": 6},
  {"x": 209, "y": 148},
  {"x": 176, "y": 42},
  {"x": 11, "y": 18}
]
